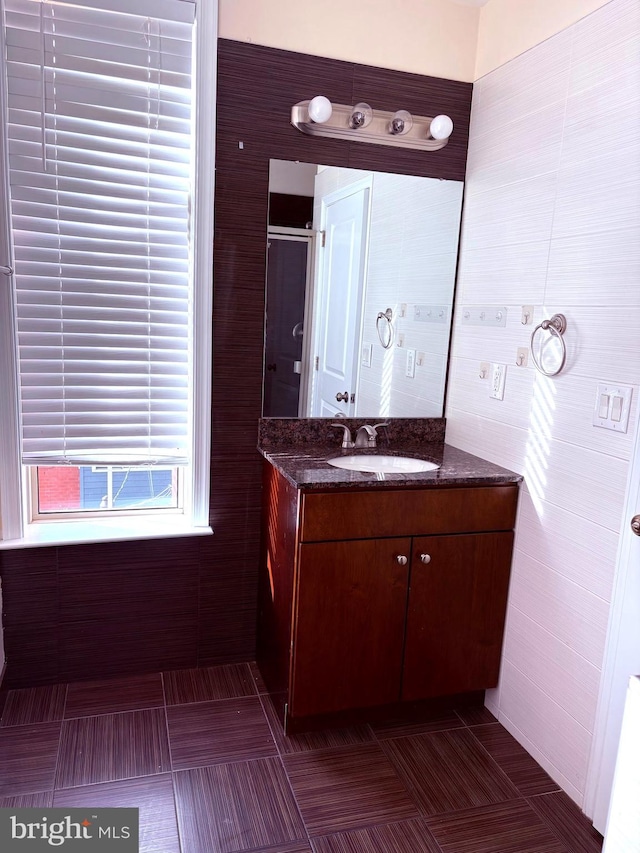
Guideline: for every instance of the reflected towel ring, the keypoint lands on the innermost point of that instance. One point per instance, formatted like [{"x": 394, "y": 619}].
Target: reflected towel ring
[
  {"x": 557, "y": 326},
  {"x": 386, "y": 335}
]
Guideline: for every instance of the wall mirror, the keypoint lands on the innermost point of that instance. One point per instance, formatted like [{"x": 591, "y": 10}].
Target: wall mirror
[{"x": 359, "y": 292}]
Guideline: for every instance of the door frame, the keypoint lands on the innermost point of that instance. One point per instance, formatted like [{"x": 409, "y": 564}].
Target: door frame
[
  {"x": 308, "y": 236},
  {"x": 608, "y": 721}
]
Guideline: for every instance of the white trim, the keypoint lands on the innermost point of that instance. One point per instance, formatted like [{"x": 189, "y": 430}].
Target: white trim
[
  {"x": 103, "y": 529},
  {"x": 197, "y": 497},
  {"x": 618, "y": 657},
  {"x": 11, "y": 518},
  {"x": 14, "y": 533}
]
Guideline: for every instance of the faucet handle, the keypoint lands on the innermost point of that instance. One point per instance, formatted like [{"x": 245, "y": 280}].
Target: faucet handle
[
  {"x": 347, "y": 440},
  {"x": 376, "y": 427}
]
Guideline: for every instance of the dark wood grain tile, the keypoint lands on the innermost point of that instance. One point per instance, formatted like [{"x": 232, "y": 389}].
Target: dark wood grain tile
[
  {"x": 411, "y": 836},
  {"x": 258, "y": 680},
  {"x": 525, "y": 773},
  {"x": 28, "y": 758},
  {"x": 226, "y": 635},
  {"x": 33, "y": 654},
  {"x": 475, "y": 715},
  {"x": 218, "y": 732},
  {"x": 240, "y": 806},
  {"x": 114, "y": 646},
  {"x": 564, "y": 818},
  {"x": 34, "y": 705},
  {"x": 348, "y": 788},
  {"x": 109, "y": 696},
  {"x": 429, "y": 722},
  {"x": 125, "y": 578},
  {"x": 152, "y": 795},
  {"x": 510, "y": 827},
  {"x": 447, "y": 771},
  {"x": 29, "y": 587},
  {"x": 208, "y": 683},
  {"x": 112, "y": 747},
  {"x": 41, "y": 799},
  {"x": 321, "y": 739}
]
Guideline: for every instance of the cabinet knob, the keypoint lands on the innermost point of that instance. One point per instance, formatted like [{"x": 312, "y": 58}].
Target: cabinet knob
[
  {"x": 425, "y": 558},
  {"x": 402, "y": 559}
]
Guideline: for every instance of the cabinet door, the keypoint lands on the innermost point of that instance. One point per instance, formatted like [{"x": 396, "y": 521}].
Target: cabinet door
[
  {"x": 349, "y": 625},
  {"x": 455, "y": 620}
]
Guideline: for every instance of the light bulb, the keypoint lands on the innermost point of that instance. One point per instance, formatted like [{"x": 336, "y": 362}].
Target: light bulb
[
  {"x": 401, "y": 122},
  {"x": 320, "y": 109},
  {"x": 361, "y": 116},
  {"x": 440, "y": 127}
]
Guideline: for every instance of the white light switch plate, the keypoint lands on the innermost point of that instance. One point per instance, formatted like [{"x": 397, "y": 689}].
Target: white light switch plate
[{"x": 611, "y": 407}]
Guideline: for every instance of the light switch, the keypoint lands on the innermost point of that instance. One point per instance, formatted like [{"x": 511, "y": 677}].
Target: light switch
[
  {"x": 603, "y": 406},
  {"x": 616, "y": 409},
  {"x": 612, "y": 406}
]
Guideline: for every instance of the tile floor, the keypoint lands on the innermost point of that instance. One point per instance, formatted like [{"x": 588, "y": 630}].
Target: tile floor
[{"x": 200, "y": 753}]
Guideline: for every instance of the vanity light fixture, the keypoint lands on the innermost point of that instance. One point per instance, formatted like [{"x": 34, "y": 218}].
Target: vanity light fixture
[
  {"x": 319, "y": 117},
  {"x": 361, "y": 116},
  {"x": 401, "y": 123},
  {"x": 319, "y": 109}
]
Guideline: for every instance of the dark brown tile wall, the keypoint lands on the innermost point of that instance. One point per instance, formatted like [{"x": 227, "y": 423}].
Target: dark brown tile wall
[{"x": 95, "y": 611}]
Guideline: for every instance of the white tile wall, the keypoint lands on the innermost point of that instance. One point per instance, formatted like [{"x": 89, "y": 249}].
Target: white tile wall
[{"x": 552, "y": 217}]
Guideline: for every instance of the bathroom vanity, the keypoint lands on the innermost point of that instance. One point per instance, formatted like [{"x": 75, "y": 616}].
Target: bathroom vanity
[{"x": 377, "y": 590}]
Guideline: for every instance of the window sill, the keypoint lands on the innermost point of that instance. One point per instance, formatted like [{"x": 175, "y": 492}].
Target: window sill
[{"x": 49, "y": 533}]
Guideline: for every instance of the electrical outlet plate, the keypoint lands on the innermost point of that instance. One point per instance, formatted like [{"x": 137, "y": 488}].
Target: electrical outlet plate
[
  {"x": 410, "y": 369},
  {"x": 367, "y": 354},
  {"x": 498, "y": 375}
]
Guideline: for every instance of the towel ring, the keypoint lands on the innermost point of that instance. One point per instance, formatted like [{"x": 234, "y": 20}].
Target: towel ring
[
  {"x": 386, "y": 337},
  {"x": 557, "y": 326}
]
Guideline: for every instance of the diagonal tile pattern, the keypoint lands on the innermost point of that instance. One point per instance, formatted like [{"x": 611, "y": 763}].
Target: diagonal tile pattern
[
  {"x": 448, "y": 771},
  {"x": 525, "y": 773},
  {"x": 248, "y": 805},
  {"x": 203, "y": 756}
]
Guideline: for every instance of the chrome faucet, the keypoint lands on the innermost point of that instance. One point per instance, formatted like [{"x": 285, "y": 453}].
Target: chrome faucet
[{"x": 366, "y": 436}]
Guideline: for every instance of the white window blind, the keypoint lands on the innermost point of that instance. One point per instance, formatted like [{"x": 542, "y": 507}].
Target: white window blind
[{"x": 100, "y": 138}]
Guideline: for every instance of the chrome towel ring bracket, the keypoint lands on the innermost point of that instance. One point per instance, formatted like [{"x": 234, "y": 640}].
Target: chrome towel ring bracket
[
  {"x": 386, "y": 332},
  {"x": 556, "y": 326}
]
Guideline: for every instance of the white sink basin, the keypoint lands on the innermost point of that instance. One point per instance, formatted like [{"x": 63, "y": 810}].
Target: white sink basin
[{"x": 382, "y": 464}]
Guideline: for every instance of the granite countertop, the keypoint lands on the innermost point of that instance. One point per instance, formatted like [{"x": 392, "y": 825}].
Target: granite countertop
[{"x": 305, "y": 467}]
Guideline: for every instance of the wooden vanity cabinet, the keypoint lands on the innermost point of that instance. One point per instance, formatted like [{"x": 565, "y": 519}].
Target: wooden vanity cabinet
[{"x": 373, "y": 597}]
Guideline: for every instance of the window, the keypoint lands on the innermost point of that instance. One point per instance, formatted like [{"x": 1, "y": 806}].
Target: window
[{"x": 111, "y": 290}]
